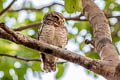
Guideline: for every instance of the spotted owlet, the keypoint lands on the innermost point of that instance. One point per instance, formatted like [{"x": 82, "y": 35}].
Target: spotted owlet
[{"x": 52, "y": 31}]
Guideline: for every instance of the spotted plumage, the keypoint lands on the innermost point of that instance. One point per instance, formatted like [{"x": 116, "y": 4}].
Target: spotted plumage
[{"x": 52, "y": 31}]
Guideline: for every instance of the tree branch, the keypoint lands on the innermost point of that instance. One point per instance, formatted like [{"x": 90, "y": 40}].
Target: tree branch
[
  {"x": 39, "y": 23},
  {"x": 4, "y": 10},
  {"x": 101, "y": 29},
  {"x": 34, "y": 9},
  {"x": 20, "y": 58},
  {"x": 102, "y": 41},
  {"x": 28, "y": 26},
  {"x": 77, "y": 18},
  {"x": 25, "y": 59},
  {"x": 18, "y": 38},
  {"x": 102, "y": 37}
]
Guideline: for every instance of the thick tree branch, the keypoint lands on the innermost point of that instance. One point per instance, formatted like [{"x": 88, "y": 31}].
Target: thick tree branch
[
  {"x": 102, "y": 37},
  {"x": 117, "y": 73},
  {"x": 93, "y": 65},
  {"x": 34, "y": 9},
  {"x": 101, "y": 30},
  {"x": 102, "y": 42},
  {"x": 4, "y": 10}
]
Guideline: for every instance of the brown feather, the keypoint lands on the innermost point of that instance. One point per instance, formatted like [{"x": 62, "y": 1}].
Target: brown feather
[{"x": 52, "y": 31}]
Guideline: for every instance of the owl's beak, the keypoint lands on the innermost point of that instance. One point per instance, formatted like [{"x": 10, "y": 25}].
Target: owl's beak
[{"x": 56, "y": 25}]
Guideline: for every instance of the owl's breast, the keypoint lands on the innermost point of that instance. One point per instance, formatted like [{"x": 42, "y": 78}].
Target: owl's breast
[
  {"x": 60, "y": 37},
  {"x": 46, "y": 34}
]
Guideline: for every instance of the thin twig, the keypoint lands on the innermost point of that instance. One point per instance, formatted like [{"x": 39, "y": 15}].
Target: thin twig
[
  {"x": 25, "y": 59},
  {"x": 27, "y": 26},
  {"x": 35, "y": 9},
  {"x": 4, "y": 10},
  {"x": 77, "y": 18},
  {"x": 39, "y": 23},
  {"x": 20, "y": 58}
]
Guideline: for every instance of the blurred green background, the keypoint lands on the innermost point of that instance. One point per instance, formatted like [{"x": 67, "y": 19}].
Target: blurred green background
[{"x": 25, "y": 12}]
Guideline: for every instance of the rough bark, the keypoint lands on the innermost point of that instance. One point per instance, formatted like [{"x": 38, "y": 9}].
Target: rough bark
[
  {"x": 102, "y": 37},
  {"x": 108, "y": 66},
  {"x": 94, "y": 65}
]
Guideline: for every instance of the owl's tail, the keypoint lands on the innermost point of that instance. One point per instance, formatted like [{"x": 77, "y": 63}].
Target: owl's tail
[{"x": 48, "y": 64}]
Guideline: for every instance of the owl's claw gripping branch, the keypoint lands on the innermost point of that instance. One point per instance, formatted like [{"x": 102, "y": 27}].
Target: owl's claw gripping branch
[{"x": 90, "y": 42}]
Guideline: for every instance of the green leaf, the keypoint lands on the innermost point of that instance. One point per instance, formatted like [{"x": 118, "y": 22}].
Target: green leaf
[
  {"x": 82, "y": 45},
  {"x": 1, "y": 5},
  {"x": 95, "y": 75},
  {"x": 12, "y": 14},
  {"x": 117, "y": 7},
  {"x": 60, "y": 70},
  {"x": 107, "y": 4},
  {"x": 72, "y": 6},
  {"x": 39, "y": 15},
  {"x": 70, "y": 35},
  {"x": 78, "y": 5},
  {"x": 3, "y": 1},
  {"x": 20, "y": 72},
  {"x": 69, "y": 6},
  {"x": 115, "y": 39},
  {"x": 5, "y": 65},
  {"x": 36, "y": 66},
  {"x": 92, "y": 55},
  {"x": 51, "y": 9},
  {"x": 83, "y": 25},
  {"x": 88, "y": 71}
]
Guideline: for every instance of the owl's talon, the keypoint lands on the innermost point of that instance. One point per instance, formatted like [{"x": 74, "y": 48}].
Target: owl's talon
[
  {"x": 89, "y": 42},
  {"x": 65, "y": 48},
  {"x": 60, "y": 46}
]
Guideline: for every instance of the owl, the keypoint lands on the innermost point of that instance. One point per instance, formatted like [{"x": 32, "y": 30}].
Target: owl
[{"x": 52, "y": 31}]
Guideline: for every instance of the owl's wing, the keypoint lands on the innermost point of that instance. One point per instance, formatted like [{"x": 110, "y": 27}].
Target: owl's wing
[
  {"x": 61, "y": 36},
  {"x": 40, "y": 30},
  {"x": 67, "y": 35},
  {"x": 46, "y": 35}
]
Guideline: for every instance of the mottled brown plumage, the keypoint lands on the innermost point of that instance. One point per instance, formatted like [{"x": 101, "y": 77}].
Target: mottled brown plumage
[{"x": 52, "y": 31}]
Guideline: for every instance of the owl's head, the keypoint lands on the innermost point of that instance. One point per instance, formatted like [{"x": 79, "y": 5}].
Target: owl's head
[{"x": 55, "y": 18}]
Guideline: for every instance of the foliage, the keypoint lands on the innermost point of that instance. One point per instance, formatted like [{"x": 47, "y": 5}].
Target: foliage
[
  {"x": 72, "y": 6},
  {"x": 78, "y": 32}
]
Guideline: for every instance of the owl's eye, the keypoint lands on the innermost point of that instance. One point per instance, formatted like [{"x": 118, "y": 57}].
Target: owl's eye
[{"x": 56, "y": 18}]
